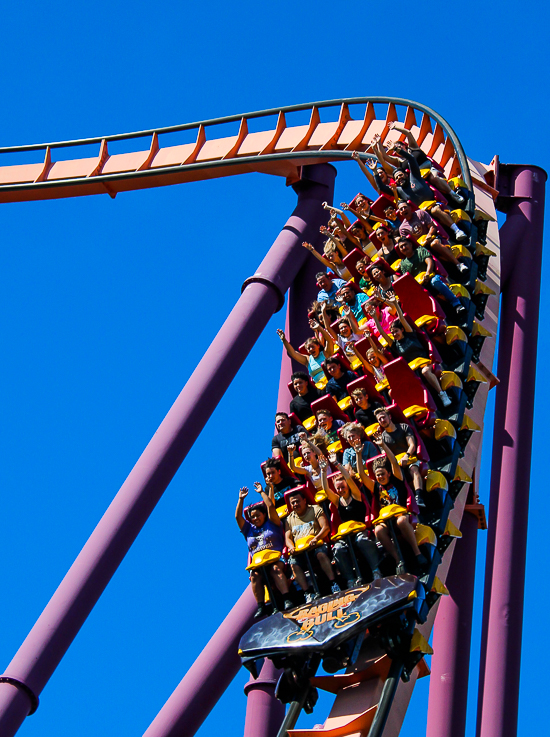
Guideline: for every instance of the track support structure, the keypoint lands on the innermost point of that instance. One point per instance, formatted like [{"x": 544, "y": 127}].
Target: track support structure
[
  {"x": 521, "y": 196},
  {"x": 66, "y": 612}
]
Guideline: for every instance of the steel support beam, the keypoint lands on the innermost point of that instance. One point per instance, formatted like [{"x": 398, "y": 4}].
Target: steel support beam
[
  {"x": 522, "y": 192},
  {"x": 61, "y": 620},
  {"x": 450, "y": 662}
]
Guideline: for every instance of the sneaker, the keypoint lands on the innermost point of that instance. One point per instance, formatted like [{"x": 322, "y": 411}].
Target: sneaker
[
  {"x": 445, "y": 399},
  {"x": 460, "y": 235},
  {"x": 287, "y": 604},
  {"x": 400, "y": 569},
  {"x": 310, "y": 596},
  {"x": 463, "y": 268},
  {"x": 359, "y": 582},
  {"x": 461, "y": 312},
  {"x": 261, "y": 611},
  {"x": 457, "y": 198},
  {"x": 419, "y": 502},
  {"x": 350, "y": 584},
  {"x": 335, "y": 588},
  {"x": 377, "y": 573}
]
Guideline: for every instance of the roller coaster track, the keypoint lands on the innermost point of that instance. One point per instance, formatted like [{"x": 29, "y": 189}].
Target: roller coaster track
[
  {"x": 265, "y": 142},
  {"x": 280, "y": 150}
]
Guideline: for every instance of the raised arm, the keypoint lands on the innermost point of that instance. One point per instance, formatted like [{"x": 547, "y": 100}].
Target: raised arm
[
  {"x": 329, "y": 342},
  {"x": 372, "y": 181},
  {"x": 413, "y": 143},
  {"x": 296, "y": 355},
  {"x": 363, "y": 475},
  {"x": 293, "y": 467},
  {"x": 401, "y": 316},
  {"x": 372, "y": 313},
  {"x": 317, "y": 255},
  {"x": 354, "y": 489},
  {"x": 346, "y": 311},
  {"x": 243, "y": 492},
  {"x": 271, "y": 511},
  {"x": 333, "y": 498},
  {"x": 395, "y": 467}
]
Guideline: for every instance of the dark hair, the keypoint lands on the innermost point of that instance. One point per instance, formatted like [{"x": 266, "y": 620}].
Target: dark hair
[
  {"x": 299, "y": 375},
  {"x": 272, "y": 463},
  {"x": 379, "y": 463},
  {"x": 397, "y": 324},
  {"x": 320, "y": 274},
  {"x": 402, "y": 202},
  {"x": 333, "y": 361},
  {"x": 297, "y": 492},
  {"x": 260, "y": 506},
  {"x": 281, "y": 414}
]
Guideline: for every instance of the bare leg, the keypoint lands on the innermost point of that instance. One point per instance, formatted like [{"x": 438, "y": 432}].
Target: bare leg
[
  {"x": 431, "y": 378},
  {"x": 442, "y": 217},
  {"x": 407, "y": 532},
  {"x": 324, "y": 562},
  {"x": 439, "y": 183},
  {"x": 257, "y": 586},
  {"x": 444, "y": 251},
  {"x": 418, "y": 481},
  {"x": 300, "y": 577},
  {"x": 383, "y": 536},
  {"x": 278, "y": 575}
]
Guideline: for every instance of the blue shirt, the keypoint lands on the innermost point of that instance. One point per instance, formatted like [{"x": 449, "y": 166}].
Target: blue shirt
[
  {"x": 356, "y": 306},
  {"x": 369, "y": 451},
  {"x": 268, "y": 536},
  {"x": 324, "y": 296}
]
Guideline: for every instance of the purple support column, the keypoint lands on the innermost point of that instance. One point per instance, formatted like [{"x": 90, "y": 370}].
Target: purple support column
[
  {"x": 59, "y": 623},
  {"x": 203, "y": 684},
  {"x": 522, "y": 194},
  {"x": 264, "y": 713},
  {"x": 451, "y": 642}
]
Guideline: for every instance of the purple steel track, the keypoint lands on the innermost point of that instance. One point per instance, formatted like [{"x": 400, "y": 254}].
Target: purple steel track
[
  {"x": 450, "y": 663},
  {"x": 522, "y": 191},
  {"x": 66, "y": 612}
]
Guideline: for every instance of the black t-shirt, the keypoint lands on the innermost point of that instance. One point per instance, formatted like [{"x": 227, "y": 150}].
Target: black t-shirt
[
  {"x": 366, "y": 416},
  {"x": 286, "y": 483},
  {"x": 339, "y": 387},
  {"x": 356, "y": 510},
  {"x": 394, "y": 492},
  {"x": 301, "y": 405},
  {"x": 397, "y": 440},
  {"x": 282, "y": 440},
  {"x": 409, "y": 348}
]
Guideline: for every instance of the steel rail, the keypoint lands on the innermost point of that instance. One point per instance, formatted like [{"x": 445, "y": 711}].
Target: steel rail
[{"x": 249, "y": 116}]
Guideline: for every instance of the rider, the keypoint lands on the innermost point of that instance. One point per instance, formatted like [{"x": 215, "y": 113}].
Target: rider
[{"x": 263, "y": 532}]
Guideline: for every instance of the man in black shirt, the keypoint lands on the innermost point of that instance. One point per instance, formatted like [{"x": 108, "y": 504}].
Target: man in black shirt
[
  {"x": 401, "y": 439},
  {"x": 286, "y": 435},
  {"x": 363, "y": 407},
  {"x": 305, "y": 395}
]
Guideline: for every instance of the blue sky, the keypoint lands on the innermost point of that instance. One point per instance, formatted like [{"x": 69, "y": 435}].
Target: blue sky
[{"x": 108, "y": 305}]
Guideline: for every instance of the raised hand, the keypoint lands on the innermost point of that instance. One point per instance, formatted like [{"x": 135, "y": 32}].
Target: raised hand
[
  {"x": 291, "y": 448},
  {"x": 355, "y": 155},
  {"x": 302, "y": 436},
  {"x": 281, "y": 334},
  {"x": 307, "y": 245},
  {"x": 243, "y": 492},
  {"x": 333, "y": 458},
  {"x": 371, "y": 163},
  {"x": 344, "y": 205}
]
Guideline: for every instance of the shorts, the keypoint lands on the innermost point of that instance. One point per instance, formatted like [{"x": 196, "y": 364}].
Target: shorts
[{"x": 296, "y": 560}]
